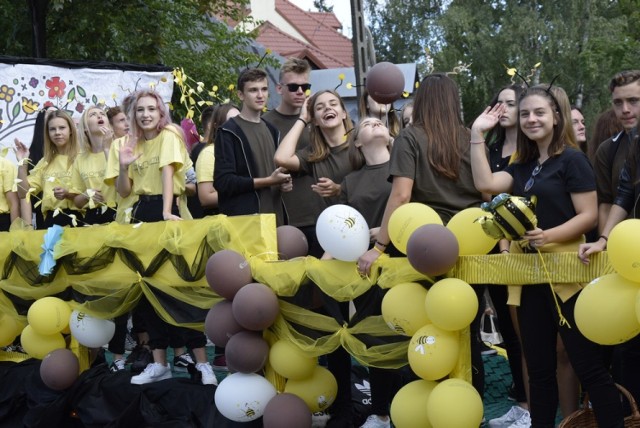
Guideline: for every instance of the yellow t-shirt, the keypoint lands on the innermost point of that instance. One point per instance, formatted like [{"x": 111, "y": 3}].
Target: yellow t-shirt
[
  {"x": 8, "y": 174},
  {"x": 111, "y": 173},
  {"x": 204, "y": 165},
  {"x": 146, "y": 172},
  {"x": 88, "y": 173},
  {"x": 45, "y": 176}
]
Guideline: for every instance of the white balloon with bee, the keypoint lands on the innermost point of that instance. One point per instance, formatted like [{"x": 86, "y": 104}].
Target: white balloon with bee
[
  {"x": 90, "y": 331},
  {"x": 343, "y": 232}
]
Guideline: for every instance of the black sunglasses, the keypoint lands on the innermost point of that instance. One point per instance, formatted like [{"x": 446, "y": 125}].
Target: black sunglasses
[
  {"x": 293, "y": 87},
  {"x": 529, "y": 184}
]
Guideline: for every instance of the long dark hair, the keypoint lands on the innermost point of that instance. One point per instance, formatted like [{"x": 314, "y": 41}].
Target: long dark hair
[
  {"x": 498, "y": 133},
  {"x": 36, "y": 149},
  {"x": 436, "y": 109},
  {"x": 527, "y": 149}
]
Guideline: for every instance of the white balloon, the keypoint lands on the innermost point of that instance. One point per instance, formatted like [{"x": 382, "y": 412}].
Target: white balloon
[
  {"x": 242, "y": 397},
  {"x": 90, "y": 331},
  {"x": 343, "y": 232}
]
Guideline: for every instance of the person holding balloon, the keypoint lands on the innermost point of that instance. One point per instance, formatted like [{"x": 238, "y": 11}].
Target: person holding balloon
[
  {"x": 559, "y": 175},
  {"x": 430, "y": 164},
  {"x": 326, "y": 159},
  {"x": 368, "y": 107},
  {"x": 367, "y": 189}
]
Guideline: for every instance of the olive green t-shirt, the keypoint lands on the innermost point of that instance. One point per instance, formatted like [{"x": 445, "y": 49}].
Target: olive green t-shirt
[
  {"x": 301, "y": 203},
  {"x": 263, "y": 148},
  {"x": 445, "y": 196}
]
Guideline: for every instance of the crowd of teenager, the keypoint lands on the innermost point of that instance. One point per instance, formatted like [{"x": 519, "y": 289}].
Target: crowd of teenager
[{"x": 131, "y": 163}]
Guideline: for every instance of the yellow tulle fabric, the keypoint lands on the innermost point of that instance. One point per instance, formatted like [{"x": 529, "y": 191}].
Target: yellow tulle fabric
[{"x": 104, "y": 271}]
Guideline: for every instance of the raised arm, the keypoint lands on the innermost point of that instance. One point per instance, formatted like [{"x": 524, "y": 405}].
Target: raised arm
[
  {"x": 285, "y": 155},
  {"x": 22, "y": 154},
  {"x": 484, "y": 180}
]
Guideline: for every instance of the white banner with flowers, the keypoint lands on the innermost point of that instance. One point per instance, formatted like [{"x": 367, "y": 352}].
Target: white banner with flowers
[{"x": 27, "y": 88}]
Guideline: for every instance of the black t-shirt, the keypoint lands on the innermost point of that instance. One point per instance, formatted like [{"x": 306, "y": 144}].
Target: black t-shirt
[
  {"x": 367, "y": 190},
  {"x": 561, "y": 175}
]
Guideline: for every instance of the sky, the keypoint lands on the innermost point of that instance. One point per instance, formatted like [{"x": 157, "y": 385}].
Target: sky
[{"x": 342, "y": 9}]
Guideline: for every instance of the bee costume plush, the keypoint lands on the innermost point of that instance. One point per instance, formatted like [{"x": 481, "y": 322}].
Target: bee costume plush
[{"x": 509, "y": 217}]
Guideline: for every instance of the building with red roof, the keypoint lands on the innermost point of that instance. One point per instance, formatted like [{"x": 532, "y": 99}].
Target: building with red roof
[{"x": 293, "y": 32}]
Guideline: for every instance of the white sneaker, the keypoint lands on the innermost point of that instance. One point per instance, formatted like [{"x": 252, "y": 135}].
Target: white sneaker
[
  {"x": 508, "y": 418},
  {"x": 523, "y": 422},
  {"x": 208, "y": 378},
  {"x": 374, "y": 421},
  {"x": 152, "y": 373}
]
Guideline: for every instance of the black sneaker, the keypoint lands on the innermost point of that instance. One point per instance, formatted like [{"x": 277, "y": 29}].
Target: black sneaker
[
  {"x": 184, "y": 364},
  {"x": 139, "y": 359}
]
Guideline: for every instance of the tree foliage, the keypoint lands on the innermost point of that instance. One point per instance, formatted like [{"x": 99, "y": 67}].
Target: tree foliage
[
  {"x": 175, "y": 33},
  {"x": 582, "y": 42}
]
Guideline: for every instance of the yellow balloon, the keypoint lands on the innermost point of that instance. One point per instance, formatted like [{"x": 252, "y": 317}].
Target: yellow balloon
[
  {"x": 39, "y": 345},
  {"x": 318, "y": 391},
  {"x": 406, "y": 219},
  {"x": 290, "y": 362},
  {"x": 605, "y": 310},
  {"x": 9, "y": 329},
  {"x": 472, "y": 239},
  {"x": 403, "y": 308},
  {"x": 433, "y": 352},
  {"x": 451, "y": 304},
  {"x": 623, "y": 247},
  {"x": 454, "y": 403},
  {"x": 409, "y": 404},
  {"x": 49, "y": 315}
]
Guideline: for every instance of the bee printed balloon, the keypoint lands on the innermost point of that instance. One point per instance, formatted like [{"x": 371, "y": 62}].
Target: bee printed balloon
[{"x": 343, "y": 232}]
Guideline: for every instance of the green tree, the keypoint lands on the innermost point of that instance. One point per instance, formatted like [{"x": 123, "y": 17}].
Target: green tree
[
  {"x": 402, "y": 30},
  {"x": 322, "y": 6},
  {"x": 582, "y": 42},
  {"x": 176, "y": 33}
]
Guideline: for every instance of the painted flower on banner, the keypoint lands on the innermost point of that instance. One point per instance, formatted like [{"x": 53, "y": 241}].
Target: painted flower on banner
[
  {"x": 56, "y": 87},
  {"x": 7, "y": 93},
  {"x": 33, "y": 82},
  {"x": 29, "y": 106}
]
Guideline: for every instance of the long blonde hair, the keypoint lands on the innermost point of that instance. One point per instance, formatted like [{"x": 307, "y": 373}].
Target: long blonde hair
[{"x": 50, "y": 150}]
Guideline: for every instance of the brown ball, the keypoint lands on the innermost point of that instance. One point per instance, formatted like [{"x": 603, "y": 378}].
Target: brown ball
[
  {"x": 291, "y": 242},
  {"x": 255, "y": 307},
  {"x": 220, "y": 324},
  {"x": 385, "y": 82},
  {"x": 432, "y": 249},
  {"x": 227, "y": 271},
  {"x": 59, "y": 369},
  {"x": 246, "y": 352},
  {"x": 286, "y": 411}
]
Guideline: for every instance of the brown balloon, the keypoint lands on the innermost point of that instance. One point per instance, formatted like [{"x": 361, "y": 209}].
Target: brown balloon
[
  {"x": 286, "y": 411},
  {"x": 432, "y": 249},
  {"x": 246, "y": 352},
  {"x": 227, "y": 271},
  {"x": 255, "y": 307},
  {"x": 220, "y": 324},
  {"x": 385, "y": 82},
  {"x": 291, "y": 242},
  {"x": 59, "y": 369}
]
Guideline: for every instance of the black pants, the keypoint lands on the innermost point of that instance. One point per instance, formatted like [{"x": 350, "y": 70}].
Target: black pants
[
  {"x": 499, "y": 295},
  {"x": 5, "y": 222},
  {"x": 62, "y": 219},
  {"x": 539, "y": 327},
  {"x": 161, "y": 334}
]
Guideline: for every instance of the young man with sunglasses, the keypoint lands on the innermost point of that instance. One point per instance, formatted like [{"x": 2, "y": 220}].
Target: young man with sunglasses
[
  {"x": 245, "y": 176},
  {"x": 293, "y": 88}
]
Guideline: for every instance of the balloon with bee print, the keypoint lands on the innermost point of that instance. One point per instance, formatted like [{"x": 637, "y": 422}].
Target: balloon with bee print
[{"x": 343, "y": 232}]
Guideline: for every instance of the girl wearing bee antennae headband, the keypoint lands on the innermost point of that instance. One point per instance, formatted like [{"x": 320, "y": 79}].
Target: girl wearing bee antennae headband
[{"x": 560, "y": 176}]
